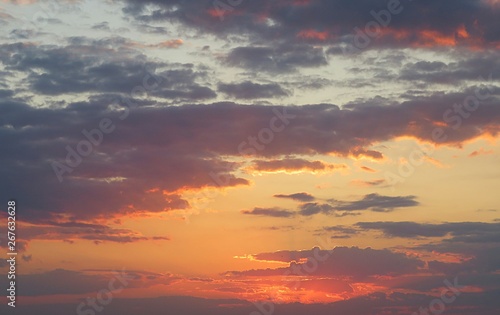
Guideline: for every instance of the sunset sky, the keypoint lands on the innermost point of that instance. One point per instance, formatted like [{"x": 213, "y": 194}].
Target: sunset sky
[{"x": 251, "y": 157}]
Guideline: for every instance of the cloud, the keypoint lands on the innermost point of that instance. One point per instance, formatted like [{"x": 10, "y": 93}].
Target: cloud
[
  {"x": 71, "y": 231},
  {"x": 184, "y": 147},
  {"x": 377, "y": 203},
  {"x": 62, "y": 281},
  {"x": 373, "y": 202},
  {"x": 304, "y": 197},
  {"x": 469, "y": 68},
  {"x": 471, "y": 257},
  {"x": 23, "y": 33},
  {"x": 250, "y": 90},
  {"x": 368, "y": 183},
  {"x": 270, "y": 212},
  {"x": 293, "y": 165},
  {"x": 110, "y": 65},
  {"x": 175, "y": 141},
  {"x": 103, "y": 26},
  {"x": 313, "y": 208},
  {"x": 173, "y": 43},
  {"x": 21, "y": 245},
  {"x": 469, "y": 303},
  {"x": 281, "y": 59},
  {"x": 481, "y": 151},
  {"x": 335, "y": 23},
  {"x": 5, "y": 94},
  {"x": 469, "y": 232},
  {"x": 367, "y": 169},
  {"x": 342, "y": 261}
]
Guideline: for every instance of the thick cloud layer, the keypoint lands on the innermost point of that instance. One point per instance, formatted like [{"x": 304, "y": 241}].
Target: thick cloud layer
[
  {"x": 471, "y": 23},
  {"x": 180, "y": 147}
]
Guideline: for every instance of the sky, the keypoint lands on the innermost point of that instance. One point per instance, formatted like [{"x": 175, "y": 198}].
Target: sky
[{"x": 251, "y": 157}]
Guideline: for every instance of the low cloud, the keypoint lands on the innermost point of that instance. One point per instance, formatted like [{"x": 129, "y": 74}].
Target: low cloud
[
  {"x": 342, "y": 261},
  {"x": 250, "y": 90},
  {"x": 303, "y": 197},
  {"x": 294, "y": 165},
  {"x": 469, "y": 232},
  {"x": 270, "y": 212}
]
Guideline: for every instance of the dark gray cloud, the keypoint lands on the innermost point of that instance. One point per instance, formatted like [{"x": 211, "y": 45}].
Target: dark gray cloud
[
  {"x": 71, "y": 231},
  {"x": 280, "y": 59},
  {"x": 471, "y": 68},
  {"x": 6, "y": 94},
  {"x": 426, "y": 283},
  {"x": 469, "y": 303},
  {"x": 475, "y": 258},
  {"x": 373, "y": 202},
  {"x": 312, "y": 208},
  {"x": 110, "y": 65},
  {"x": 21, "y": 245},
  {"x": 62, "y": 281},
  {"x": 152, "y": 29},
  {"x": 469, "y": 232},
  {"x": 181, "y": 146},
  {"x": 293, "y": 165},
  {"x": 340, "y": 261},
  {"x": 378, "y": 203},
  {"x": 108, "y": 175},
  {"x": 250, "y": 90},
  {"x": 322, "y": 22},
  {"x": 304, "y": 197},
  {"x": 270, "y": 212}
]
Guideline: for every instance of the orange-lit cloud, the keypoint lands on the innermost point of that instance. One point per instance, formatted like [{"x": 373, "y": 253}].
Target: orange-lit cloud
[
  {"x": 313, "y": 34},
  {"x": 368, "y": 169},
  {"x": 173, "y": 43},
  {"x": 481, "y": 151}
]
